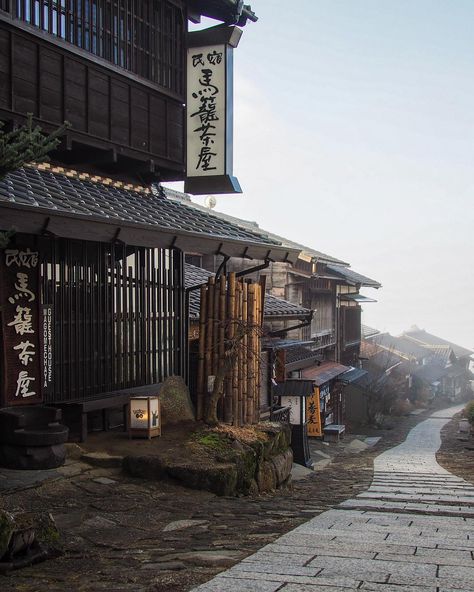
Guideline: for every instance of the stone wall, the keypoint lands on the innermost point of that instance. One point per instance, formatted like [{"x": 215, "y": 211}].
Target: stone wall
[{"x": 234, "y": 467}]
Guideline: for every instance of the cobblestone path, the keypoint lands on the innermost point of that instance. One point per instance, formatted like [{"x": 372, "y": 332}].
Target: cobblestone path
[{"x": 412, "y": 530}]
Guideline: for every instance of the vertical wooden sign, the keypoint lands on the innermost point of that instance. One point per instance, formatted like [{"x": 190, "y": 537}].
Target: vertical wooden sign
[
  {"x": 313, "y": 414},
  {"x": 209, "y": 111},
  {"x": 19, "y": 300}
]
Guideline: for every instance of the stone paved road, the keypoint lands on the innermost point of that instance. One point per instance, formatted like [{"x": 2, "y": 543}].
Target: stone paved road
[{"x": 412, "y": 530}]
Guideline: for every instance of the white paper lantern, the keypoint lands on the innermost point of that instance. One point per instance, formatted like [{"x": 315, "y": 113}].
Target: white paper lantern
[{"x": 144, "y": 417}]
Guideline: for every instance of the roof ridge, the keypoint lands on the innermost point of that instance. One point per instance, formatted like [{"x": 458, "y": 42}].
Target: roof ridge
[{"x": 82, "y": 176}]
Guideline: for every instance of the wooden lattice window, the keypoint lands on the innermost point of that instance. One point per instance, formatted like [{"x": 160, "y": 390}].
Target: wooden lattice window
[
  {"x": 145, "y": 37},
  {"x": 118, "y": 316}
]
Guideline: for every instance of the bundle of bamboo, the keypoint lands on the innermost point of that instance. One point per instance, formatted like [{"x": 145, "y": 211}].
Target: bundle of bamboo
[{"x": 229, "y": 368}]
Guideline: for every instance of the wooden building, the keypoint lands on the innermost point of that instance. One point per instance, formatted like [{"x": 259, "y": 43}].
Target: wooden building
[
  {"x": 115, "y": 69},
  {"x": 274, "y": 308},
  {"x": 326, "y": 345},
  {"x": 92, "y": 256},
  {"x": 93, "y": 290}
]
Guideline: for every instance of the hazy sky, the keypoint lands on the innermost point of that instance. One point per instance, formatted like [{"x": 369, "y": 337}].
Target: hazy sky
[{"x": 354, "y": 135}]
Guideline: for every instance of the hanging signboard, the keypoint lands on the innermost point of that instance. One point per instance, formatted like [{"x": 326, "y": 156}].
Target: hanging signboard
[
  {"x": 209, "y": 111},
  {"x": 313, "y": 413},
  {"x": 19, "y": 282}
]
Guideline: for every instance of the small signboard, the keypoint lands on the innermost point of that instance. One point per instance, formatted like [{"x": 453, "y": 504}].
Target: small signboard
[
  {"x": 313, "y": 414},
  {"x": 47, "y": 329},
  {"x": 19, "y": 301}
]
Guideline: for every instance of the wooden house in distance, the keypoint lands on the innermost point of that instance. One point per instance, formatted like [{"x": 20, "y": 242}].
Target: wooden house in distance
[
  {"x": 274, "y": 309},
  {"x": 427, "y": 366},
  {"x": 323, "y": 348}
]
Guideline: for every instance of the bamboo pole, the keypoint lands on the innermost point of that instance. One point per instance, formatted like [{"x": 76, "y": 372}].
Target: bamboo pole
[
  {"x": 202, "y": 346},
  {"x": 208, "y": 370},
  {"x": 258, "y": 352},
  {"x": 221, "y": 344},
  {"x": 250, "y": 356},
  {"x": 245, "y": 352},
  {"x": 215, "y": 329},
  {"x": 235, "y": 365},
  {"x": 240, "y": 361},
  {"x": 231, "y": 323}
]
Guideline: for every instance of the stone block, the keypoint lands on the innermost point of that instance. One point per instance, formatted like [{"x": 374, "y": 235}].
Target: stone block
[
  {"x": 283, "y": 464},
  {"x": 32, "y": 457},
  {"x": 144, "y": 467},
  {"x": 176, "y": 405},
  {"x": 220, "y": 479},
  {"x": 266, "y": 476}
]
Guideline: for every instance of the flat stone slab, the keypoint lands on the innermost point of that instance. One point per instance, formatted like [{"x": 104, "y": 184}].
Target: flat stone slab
[
  {"x": 299, "y": 472},
  {"x": 410, "y": 532},
  {"x": 102, "y": 459},
  {"x": 182, "y": 524}
]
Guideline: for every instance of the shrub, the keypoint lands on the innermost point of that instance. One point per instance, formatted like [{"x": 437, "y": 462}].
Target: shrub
[{"x": 469, "y": 412}]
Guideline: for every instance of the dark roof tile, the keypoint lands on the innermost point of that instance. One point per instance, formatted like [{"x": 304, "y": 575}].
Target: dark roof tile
[
  {"x": 274, "y": 307},
  {"x": 76, "y": 197},
  {"x": 352, "y": 276}
]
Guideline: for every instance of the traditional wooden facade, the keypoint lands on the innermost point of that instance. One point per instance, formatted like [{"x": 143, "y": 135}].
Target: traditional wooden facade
[
  {"x": 316, "y": 282},
  {"x": 92, "y": 257},
  {"x": 92, "y": 288},
  {"x": 273, "y": 308},
  {"x": 114, "y": 69}
]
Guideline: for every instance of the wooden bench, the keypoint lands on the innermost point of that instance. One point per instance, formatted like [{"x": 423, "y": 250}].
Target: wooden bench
[
  {"x": 75, "y": 412},
  {"x": 334, "y": 432}
]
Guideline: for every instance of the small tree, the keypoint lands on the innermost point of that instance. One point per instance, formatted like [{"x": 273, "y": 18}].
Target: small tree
[
  {"x": 26, "y": 144},
  {"x": 234, "y": 346}
]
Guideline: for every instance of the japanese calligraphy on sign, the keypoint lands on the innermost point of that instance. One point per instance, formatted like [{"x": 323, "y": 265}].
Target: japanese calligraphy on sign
[
  {"x": 47, "y": 348},
  {"x": 209, "y": 111},
  {"x": 313, "y": 414},
  {"x": 19, "y": 270},
  {"x": 206, "y": 116}
]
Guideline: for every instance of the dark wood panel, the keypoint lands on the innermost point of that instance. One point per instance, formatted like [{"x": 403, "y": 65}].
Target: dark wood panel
[
  {"x": 158, "y": 131},
  {"x": 108, "y": 111},
  {"x": 175, "y": 122}
]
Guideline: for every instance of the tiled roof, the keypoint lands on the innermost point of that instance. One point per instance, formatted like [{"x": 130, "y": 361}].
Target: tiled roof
[
  {"x": 273, "y": 308},
  {"x": 294, "y": 387},
  {"x": 353, "y": 375},
  {"x": 300, "y": 354},
  {"x": 324, "y": 373},
  {"x": 384, "y": 360},
  {"x": 356, "y": 298},
  {"x": 248, "y": 224},
  {"x": 400, "y": 345},
  {"x": 277, "y": 307},
  {"x": 427, "y": 339},
  {"x": 430, "y": 373},
  {"x": 352, "y": 276},
  {"x": 368, "y": 332},
  {"x": 61, "y": 202}
]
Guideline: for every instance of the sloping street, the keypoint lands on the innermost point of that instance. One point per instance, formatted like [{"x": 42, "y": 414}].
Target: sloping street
[{"x": 411, "y": 530}]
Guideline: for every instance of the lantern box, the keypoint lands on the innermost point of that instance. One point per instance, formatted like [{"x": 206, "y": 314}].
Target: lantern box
[{"x": 144, "y": 419}]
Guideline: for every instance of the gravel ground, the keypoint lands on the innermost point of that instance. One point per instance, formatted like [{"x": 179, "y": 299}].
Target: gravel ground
[{"x": 457, "y": 451}]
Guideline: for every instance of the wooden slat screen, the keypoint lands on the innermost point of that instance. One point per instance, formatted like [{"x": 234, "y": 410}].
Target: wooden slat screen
[
  {"x": 117, "y": 313},
  {"x": 145, "y": 37}
]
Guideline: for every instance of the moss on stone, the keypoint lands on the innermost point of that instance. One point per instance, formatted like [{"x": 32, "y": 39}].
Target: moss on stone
[{"x": 7, "y": 526}]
